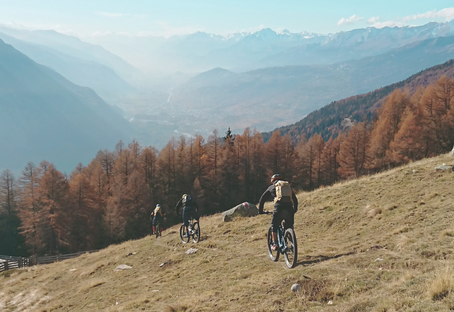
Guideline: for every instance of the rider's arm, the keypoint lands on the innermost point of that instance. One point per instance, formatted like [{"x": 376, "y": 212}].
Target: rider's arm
[
  {"x": 265, "y": 197},
  {"x": 295, "y": 202},
  {"x": 178, "y": 205}
]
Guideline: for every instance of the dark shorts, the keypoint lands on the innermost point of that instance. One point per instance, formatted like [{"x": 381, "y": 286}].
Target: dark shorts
[
  {"x": 282, "y": 213},
  {"x": 188, "y": 213},
  {"x": 157, "y": 219}
]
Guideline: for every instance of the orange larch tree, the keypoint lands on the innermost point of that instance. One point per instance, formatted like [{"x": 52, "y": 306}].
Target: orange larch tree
[
  {"x": 389, "y": 122},
  {"x": 353, "y": 157}
]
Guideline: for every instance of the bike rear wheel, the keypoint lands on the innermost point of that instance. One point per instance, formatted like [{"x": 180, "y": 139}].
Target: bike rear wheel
[
  {"x": 182, "y": 234},
  {"x": 274, "y": 254},
  {"x": 158, "y": 229},
  {"x": 291, "y": 248},
  {"x": 195, "y": 232}
]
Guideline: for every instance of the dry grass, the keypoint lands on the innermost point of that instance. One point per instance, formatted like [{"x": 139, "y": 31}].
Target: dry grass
[
  {"x": 442, "y": 284},
  {"x": 380, "y": 243}
]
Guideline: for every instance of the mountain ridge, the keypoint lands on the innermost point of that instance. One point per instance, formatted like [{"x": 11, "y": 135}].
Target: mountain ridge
[
  {"x": 284, "y": 93},
  {"x": 46, "y": 117},
  {"x": 327, "y": 120}
]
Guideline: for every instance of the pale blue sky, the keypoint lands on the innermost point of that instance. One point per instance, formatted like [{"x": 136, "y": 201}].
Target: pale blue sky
[{"x": 169, "y": 17}]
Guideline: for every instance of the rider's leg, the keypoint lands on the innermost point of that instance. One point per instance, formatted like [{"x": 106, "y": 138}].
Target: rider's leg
[
  {"x": 186, "y": 220},
  {"x": 289, "y": 218},
  {"x": 275, "y": 237},
  {"x": 154, "y": 229},
  {"x": 275, "y": 221}
]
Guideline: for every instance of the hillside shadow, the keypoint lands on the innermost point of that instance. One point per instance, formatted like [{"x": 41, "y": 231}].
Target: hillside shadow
[{"x": 321, "y": 258}]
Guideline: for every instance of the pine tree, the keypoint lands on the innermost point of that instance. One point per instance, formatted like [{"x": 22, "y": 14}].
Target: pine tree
[
  {"x": 86, "y": 229},
  {"x": 437, "y": 109},
  {"x": 318, "y": 145},
  {"x": 273, "y": 153},
  {"x": 329, "y": 162},
  {"x": 54, "y": 216},
  {"x": 389, "y": 123},
  {"x": 29, "y": 207},
  {"x": 353, "y": 157},
  {"x": 12, "y": 242},
  {"x": 213, "y": 193},
  {"x": 259, "y": 177}
]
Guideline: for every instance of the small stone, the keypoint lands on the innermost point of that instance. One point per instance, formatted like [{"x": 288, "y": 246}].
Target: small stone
[
  {"x": 122, "y": 267},
  {"x": 191, "y": 251},
  {"x": 295, "y": 287}
]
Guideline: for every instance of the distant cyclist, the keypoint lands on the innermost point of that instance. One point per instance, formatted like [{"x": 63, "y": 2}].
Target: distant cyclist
[
  {"x": 285, "y": 204},
  {"x": 157, "y": 218},
  {"x": 189, "y": 210}
]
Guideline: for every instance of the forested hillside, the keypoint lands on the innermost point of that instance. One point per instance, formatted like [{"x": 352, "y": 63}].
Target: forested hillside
[
  {"x": 327, "y": 121},
  {"x": 110, "y": 199}
]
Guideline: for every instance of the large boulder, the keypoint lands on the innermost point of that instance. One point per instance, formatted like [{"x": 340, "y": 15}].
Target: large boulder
[
  {"x": 242, "y": 210},
  {"x": 443, "y": 167}
]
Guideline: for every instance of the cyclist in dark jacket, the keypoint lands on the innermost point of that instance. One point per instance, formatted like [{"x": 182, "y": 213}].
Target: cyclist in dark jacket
[
  {"x": 190, "y": 209},
  {"x": 157, "y": 218},
  {"x": 283, "y": 210}
]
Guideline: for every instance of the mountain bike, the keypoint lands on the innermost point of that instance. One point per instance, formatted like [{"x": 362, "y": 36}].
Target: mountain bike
[
  {"x": 158, "y": 229},
  {"x": 194, "y": 232},
  {"x": 286, "y": 245}
]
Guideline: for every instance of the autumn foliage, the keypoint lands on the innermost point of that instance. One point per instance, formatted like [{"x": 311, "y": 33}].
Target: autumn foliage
[{"x": 110, "y": 200}]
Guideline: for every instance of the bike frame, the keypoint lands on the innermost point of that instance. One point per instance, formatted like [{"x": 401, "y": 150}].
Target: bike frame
[{"x": 280, "y": 238}]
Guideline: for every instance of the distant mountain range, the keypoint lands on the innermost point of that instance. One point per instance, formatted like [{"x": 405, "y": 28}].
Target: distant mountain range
[
  {"x": 246, "y": 51},
  {"x": 281, "y": 95},
  {"x": 43, "y": 116},
  {"x": 196, "y": 83},
  {"x": 84, "y": 64}
]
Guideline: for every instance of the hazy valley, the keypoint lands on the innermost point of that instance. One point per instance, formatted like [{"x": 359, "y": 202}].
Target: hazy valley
[{"x": 293, "y": 74}]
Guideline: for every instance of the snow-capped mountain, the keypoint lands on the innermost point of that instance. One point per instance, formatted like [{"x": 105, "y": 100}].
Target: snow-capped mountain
[{"x": 266, "y": 47}]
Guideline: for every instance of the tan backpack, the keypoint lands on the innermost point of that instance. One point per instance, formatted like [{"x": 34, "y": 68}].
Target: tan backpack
[{"x": 283, "y": 192}]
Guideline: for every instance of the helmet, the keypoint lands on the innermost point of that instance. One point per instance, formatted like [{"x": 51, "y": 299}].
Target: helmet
[
  {"x": 158, "y": 205},
  {"x": 157, "y": 209},
  {"x": 275, "y": 177},
  {"x": 186, "y": 198}
]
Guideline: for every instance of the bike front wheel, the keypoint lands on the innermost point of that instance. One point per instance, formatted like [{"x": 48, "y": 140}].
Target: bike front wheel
[
  {"x": 291, "y": 248},
  {"x": 274, "y": 254},
  {"x": 184, "y": 235},
  {"x": 195, "y": 232}
]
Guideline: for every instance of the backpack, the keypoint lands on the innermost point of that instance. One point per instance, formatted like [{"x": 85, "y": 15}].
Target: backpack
[{"x": 283, "y": 192}]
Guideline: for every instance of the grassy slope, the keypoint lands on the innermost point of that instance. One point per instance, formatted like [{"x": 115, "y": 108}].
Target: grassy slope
[{"x": 380, "y": 243}]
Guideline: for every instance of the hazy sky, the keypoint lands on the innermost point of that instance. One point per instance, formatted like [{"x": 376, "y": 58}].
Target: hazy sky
[{"x": 169, "y": 17}]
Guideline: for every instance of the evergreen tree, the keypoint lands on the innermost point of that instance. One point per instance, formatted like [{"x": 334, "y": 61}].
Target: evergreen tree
[{"x": 11, "y": 242}]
